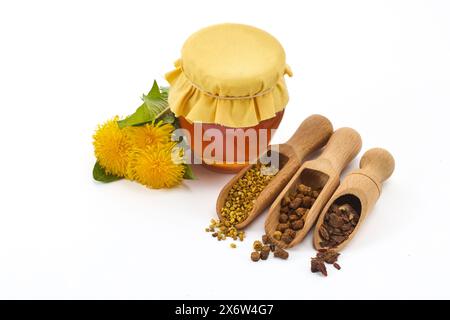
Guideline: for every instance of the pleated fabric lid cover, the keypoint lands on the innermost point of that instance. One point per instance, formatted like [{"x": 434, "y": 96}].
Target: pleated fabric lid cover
[{"x": 229, "y": 74}]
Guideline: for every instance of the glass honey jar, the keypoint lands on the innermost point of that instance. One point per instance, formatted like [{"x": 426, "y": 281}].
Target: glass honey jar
[{"x": 229, "y": 93}]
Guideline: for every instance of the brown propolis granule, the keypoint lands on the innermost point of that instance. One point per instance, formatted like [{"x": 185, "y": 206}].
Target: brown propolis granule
[
  {"x": 264, "y": 249},
  {"x": 265, "y": 252},
  {"x": 255, "y": 256},
  {"x": 318, "y": 265},
  {"x": 280, "y": 253},
  {"x": 329, "y": 256},
  {"x": 322, "y": 257},
  {"x": 338, "y": 225}
]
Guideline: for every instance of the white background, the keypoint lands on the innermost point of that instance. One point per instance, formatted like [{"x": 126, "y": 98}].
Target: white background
[{"x": 381, "y": 67}]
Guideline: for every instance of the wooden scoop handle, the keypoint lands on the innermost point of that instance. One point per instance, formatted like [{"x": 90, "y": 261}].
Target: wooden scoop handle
[
  {"x": 311, "y": 135},
  {"x": 343, "y": 146},
  {"x": 378, "y": 164}
]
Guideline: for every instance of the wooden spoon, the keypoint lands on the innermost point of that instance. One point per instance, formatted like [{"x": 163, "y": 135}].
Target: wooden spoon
[
  {"x": 321, "y": 173},
  {"x": 361, "y": 189},
  {"x": 312, "y": 134}
]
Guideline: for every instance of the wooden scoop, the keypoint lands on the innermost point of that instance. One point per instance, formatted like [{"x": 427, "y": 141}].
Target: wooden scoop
[
  {"x": 312, "y": 135},
  {"x": 321, "y": 173},
  {"x": 361, "y": 189}
]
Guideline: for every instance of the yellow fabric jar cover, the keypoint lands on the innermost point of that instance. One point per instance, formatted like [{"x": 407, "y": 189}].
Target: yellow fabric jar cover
[{"x": 229, "y": 74}]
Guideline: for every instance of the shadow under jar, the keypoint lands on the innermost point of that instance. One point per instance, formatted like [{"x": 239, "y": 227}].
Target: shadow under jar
[{"x": 229, "y": 93}]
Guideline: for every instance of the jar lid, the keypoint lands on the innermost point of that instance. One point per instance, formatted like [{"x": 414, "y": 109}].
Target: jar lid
[{"x": 229, "y": 74}]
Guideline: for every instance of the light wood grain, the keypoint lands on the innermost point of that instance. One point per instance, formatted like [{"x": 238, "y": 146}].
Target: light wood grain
[
  {"x": 312, "y": 134},
  {"x": 322, "y": 172},
  {"x": 362, "y": 188}
]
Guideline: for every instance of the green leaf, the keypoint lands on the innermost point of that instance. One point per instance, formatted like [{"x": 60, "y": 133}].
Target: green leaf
[
  {"x": 155, "y": 105},
  {"x": 156, "y": 101},
  {"x": 176, "y": 123},
  {"x": 188, "y": 173},
  {"x": 164, "y": 92},
  {"x": 140, "y": 116},
  {"x": 100, "y": 174},
  {"x": 168, "y": 117}
]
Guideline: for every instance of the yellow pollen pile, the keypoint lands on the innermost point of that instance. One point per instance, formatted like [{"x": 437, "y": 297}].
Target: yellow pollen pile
[{"x": 240, "y": 201}]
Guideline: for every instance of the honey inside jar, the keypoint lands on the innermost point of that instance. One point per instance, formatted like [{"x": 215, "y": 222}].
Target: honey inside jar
[{"x": 232, "y": 155}]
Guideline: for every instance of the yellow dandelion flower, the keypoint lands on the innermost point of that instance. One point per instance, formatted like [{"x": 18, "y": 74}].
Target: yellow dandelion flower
[
  {"x": 156, "y": 166},
  {"x": 148, "y": 134},
  {"x": 111, "y": 147}
]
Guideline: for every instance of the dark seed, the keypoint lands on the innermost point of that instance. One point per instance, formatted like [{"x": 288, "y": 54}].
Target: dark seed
[
  {"x": 284, "y": 210},
  {"x": 282, "y": 227},
  {"x": 255, "y": 256},
  {"x": 300, "y": 211},
  {"x": 324, "y": 233},
  {"x": 298, "y": 225},
  {"x": 336, "y": 221},
  {"x": 283, "y": 218},
  {"x": 265, "y": 251},
  {"x": 296, "y": 203},
  {"x": 338, "y": 239},
  {"x": 328, "y": 256},
  {"x": 280, "y": 253},
  {"x": 265, "y": 239},
  {"x": 286, "y": 238}
]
